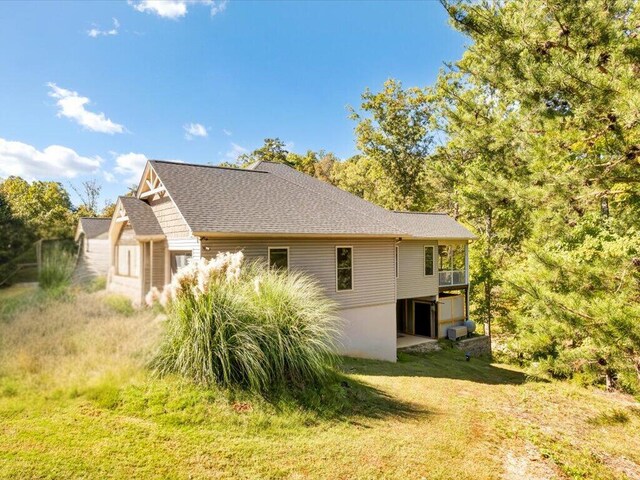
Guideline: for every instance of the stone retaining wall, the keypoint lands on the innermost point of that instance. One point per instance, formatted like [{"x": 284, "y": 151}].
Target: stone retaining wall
[{"x": 475, "y": 346}]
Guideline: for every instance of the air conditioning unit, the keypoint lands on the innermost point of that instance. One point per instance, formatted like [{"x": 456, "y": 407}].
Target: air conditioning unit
[{"x": 454, "y": 333}]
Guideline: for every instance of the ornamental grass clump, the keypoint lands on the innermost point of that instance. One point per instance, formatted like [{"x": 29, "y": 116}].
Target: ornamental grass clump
[
  {"x": 56, "y": 270},
  {"x": 246, "y": 326}
]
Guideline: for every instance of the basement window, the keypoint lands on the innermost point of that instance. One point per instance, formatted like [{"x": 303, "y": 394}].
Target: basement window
[{"x": 344, "y": 268}]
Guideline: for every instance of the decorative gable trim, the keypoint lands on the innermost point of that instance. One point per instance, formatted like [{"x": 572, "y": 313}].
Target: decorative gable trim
[{"x": 151, "y": 187}]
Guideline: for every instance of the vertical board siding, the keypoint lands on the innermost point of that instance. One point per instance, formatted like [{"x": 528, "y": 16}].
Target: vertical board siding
[
  {"x": 412, "y": 281},
  {"x": 373, "y": 264},
  {"x": 146, "y": 283},
  {"x": 169, "y": 218},
  {"x": 157, "y": 279}
]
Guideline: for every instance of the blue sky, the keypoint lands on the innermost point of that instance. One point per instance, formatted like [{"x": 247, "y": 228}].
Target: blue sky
[{"x": 89, "y": 90}]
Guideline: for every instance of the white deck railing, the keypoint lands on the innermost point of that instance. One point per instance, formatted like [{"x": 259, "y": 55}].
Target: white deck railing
[{"x": 452, "y": 277}]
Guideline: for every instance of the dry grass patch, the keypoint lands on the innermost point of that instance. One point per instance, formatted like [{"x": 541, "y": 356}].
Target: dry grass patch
[{"x": 76, "y": 342}]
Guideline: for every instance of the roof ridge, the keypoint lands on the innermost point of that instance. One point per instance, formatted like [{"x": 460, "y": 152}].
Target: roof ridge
[
  {"x": 218, "y": 167},
  {"x": 419, "y": 213}
]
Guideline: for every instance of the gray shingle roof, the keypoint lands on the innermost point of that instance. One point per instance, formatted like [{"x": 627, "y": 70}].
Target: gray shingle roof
[
  {"x": 417, "y": 225},
  {"x": 94, "y": 227},
  {"x": 141, "y": 217},
  {"x": 272, "y": 198},
  {"x": 228, "y": 200},
  {"x": 431, "y": 226}
]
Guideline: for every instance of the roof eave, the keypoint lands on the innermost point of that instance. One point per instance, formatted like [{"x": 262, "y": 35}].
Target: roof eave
[
  {"x": 293, "y": 234},
  {"x": 146, "y": 238}
]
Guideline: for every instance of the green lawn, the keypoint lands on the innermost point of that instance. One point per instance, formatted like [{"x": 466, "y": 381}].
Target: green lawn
[{"x": 77, "y": 401}]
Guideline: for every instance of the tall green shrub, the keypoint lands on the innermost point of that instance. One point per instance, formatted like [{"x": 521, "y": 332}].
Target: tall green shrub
[
  {"x": 57, "y": 269},
  {"x": 246, "y": 327}
]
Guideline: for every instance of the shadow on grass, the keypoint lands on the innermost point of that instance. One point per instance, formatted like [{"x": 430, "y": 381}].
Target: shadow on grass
[
  {"x": 449, "y": 364},
  {"x": 175, "y": 400},
  {"x": 345, "y": 397}
]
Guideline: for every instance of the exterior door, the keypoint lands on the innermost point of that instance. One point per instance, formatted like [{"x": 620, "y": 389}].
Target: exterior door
[{"x": 422, "y": 319}]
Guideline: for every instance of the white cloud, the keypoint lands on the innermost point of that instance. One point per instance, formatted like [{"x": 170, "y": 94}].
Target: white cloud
[
  {"x": 234, "y": 152},
  {"x": 17, "y": 158},
  {"x": 130, "y": 166},
  {"x": 108, "y": 176},
  {"x": 95, "y": 32},
  {"x": 194, "y": 130},
  {"x": 175, "y": 9},
  {"x": 218, "y": 7},
  {"x": 72, "y": 106},
  {"x": 228, "y": 133}
]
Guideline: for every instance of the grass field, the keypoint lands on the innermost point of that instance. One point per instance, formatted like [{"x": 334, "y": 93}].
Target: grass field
[{"x": 77, "y": 401}]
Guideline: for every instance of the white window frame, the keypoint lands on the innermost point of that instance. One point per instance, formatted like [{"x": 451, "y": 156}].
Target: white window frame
[
  {"x": 352, "y": 269},
  {"x": 276, "y": 248},
  {"x": 424, "y": 260}
]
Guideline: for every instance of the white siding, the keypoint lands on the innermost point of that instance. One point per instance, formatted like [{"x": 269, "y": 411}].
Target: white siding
[
  {"x": 373, "y": 264},
  {"x": 185, "y": 244},
  {"x": 412, "y": 282}
]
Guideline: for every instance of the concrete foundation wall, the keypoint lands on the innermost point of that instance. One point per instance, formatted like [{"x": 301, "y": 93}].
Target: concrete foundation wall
[
  {"x": 369, "y": 332},
  {"x": 127, "y": 286}
]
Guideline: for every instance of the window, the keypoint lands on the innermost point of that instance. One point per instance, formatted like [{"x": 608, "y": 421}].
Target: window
[
  {"x": 279, "y": 258},
  {"x": 344, "y": 268},
  {"x": 179, "y": 260},
  {"x": 127, "y": 260},
  {"x": 428, "y": 261}
]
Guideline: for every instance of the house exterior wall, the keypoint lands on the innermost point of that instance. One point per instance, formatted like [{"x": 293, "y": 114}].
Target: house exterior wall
[
  {"x": 96, "y": 252},
  {"x": 368, "y": 311},
  {"x": 125, "y": 285},
  {"x": 369, "y": 332},
  {"x": 190, "y": 244},
  {"x": 169, "y": 218},
  {"x": 373, "y": 264},
  {"x": 412, "y": 282},
  {"x": 157, "y": 277}
]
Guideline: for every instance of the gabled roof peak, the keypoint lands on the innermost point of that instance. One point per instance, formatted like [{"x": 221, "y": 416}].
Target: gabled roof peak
[{"x": 200, "y": 165}]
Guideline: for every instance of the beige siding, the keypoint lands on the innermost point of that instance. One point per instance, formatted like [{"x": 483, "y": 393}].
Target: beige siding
[
  {"x": 129, "y": 286},
  {"x": 373, "y": 263},
  {"x": 158, "y": 264},
  {"x": 127, "y": 237},
  {"x": 146, "y": 284},
  {"x": 169, "y": 218},
  {"x": 412, "y": 282}
]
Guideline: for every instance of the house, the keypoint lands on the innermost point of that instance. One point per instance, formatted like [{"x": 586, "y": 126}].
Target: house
[
  {"x": 391, "y": 273},
  {"x": 92, "y": 237}
]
